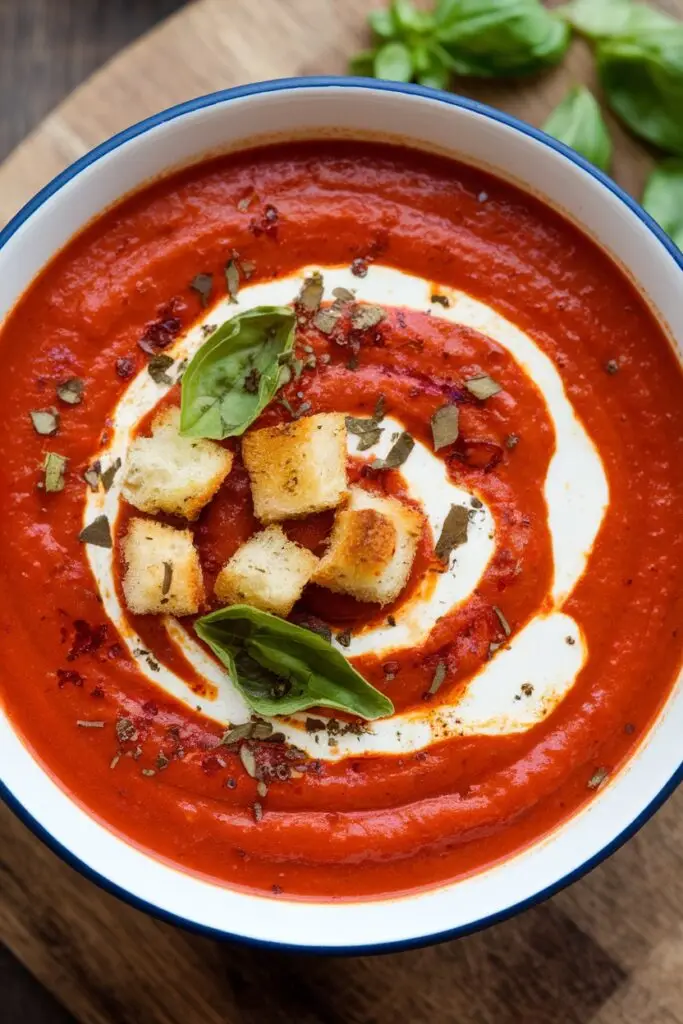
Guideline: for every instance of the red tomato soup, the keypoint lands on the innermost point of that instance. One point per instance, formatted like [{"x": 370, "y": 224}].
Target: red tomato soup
[{"x": 283, "y": 820}]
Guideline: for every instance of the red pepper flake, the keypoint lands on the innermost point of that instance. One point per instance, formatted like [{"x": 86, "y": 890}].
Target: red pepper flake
[
  {"x": 268, "y": 222},
  {"x": 125, "y": 367},
  {"x": 97, "y": 692},
  {"x": 212, "y": 764},
  {"x": 69, "y": 675},
  {"x": 150, "y": 708},
  {"x": 115, "y": 651},
  {"x": 277, "y": 890},
  {"x": 161, "y": 332},
  {"x": 87, "y": 639},
  {"x": 359, "y": 267}
]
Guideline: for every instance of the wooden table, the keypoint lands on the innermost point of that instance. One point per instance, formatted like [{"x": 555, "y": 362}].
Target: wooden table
[{"x": 608, "y": 950}]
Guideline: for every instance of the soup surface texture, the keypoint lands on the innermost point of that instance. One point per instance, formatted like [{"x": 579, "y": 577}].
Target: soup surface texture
[{"x": 524, "y": 665}]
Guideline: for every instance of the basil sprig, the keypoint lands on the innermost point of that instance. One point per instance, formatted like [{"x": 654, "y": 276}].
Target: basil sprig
[
  {"x": 462, "y": 37},
  {"x": 663, "y": 197},
  {"x": 500, "y": 37},
  {"x": 281, "y": 668},
  {"x": 236, "y": 373},
  {"x": 639, "y": 55},
  {"x": 578, "y": 122}
]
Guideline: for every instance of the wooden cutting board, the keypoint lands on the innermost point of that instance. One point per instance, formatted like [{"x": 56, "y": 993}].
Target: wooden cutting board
[{"x": 608, "y": 950}]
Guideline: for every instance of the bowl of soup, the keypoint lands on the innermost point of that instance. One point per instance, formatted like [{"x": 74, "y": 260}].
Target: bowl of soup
[{"x": 343, "y": 424}]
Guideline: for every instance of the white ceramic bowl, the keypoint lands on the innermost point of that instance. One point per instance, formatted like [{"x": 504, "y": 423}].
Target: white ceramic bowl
[{"x": 512, "y": 150}]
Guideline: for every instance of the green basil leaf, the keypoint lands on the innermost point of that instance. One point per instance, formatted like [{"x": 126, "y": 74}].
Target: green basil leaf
[
  {"x": 281, "y": 668},
  {"x": 363, "y": 64},
  {"x": 643, "y": 84},
  {"x": 435, "y": 72},
  {"x": 409, "y": 19},
  {"x": 500, "y": 37},
  {"x": 578, "y": 122},
  {"x": 609, "y": 19},
  {"x": 393, "y": 62},
  {"x": 382, "y": 23},
  {"x": 663, "y": 198},
  {"x": 217, "y": 396}
]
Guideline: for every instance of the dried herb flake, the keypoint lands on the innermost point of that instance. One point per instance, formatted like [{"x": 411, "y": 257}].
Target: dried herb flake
[
  {"x": 168, "y": 577},
  {"x": 365, "y": 317},
  {"x": 439, "y": 676},
  {"x": 505, "y": 625},
  {"x": 107, "y": 477},
  {"x": 232, "y": 279},
  {"x": 482, "y": 386},
  {"x": 158, "y": 368},
  {"x": 598, "y": 778},
  {"x": 92, "y": 476},
  {"x": 326, "y": 319},
  {"x": 453, "y": 532},
  {"x": 311, "y": 294},
  {"x": 397, "y": 454},
  {"x": 97, "y": 533},
  {"x": 203, "y": 285},
  {"x": 445, "y": 426},
  {"x": 45, "y": 421},
  {"x": 54, "y": 468},
  {"x": 71, "y": 391}
]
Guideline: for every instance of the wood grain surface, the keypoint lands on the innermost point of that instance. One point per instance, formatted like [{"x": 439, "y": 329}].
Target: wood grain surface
[{"x": 607, "y": 950}]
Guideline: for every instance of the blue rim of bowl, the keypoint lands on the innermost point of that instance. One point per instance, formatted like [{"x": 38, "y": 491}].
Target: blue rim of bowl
[{"x": 283, "y": 85}]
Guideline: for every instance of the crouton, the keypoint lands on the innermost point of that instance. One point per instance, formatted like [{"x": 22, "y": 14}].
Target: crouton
[
  {"x": 297, "y": 468},
  {"x": 163, "y": 575},
  {"x": 269, "y": 571},
  {"x": 173, "y": 474},
  {"x": 372, "y": 548}
]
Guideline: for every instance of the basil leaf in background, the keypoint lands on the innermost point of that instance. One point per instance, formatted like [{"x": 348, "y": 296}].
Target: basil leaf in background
[
  {"x": 382, "y": 23},
  {"x": 500, "y": 37},
  {"x": 409, "y": 18},
  {"x": 643, "y": 84},
  {"x": 363, "y": 64},
  {"x": 435, "y": 70},
  {"x": 281, "y": 668},
  {"x": 577, "y": 121},
  {"x": 608, "y": 19},
  {"x": 663, "y": 198},
  {"x": 217, "y": 400},
  {"x": 394, "y": 62}
]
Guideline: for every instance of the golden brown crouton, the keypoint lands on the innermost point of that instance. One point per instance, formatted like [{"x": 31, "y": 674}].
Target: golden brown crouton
[
  {"x": 297, "y": 468},
  {"x": 269, "y": 571},
  {"x": 372, "y": 548},
  {"x": 173, "y": 474},
  {"x": 163, "y": 575}
]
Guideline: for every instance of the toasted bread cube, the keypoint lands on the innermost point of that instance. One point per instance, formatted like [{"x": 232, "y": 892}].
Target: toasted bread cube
[
  {"x": 372, "y": 548},
  {"x": 173, "y": 474},
  {"x": 297, "y": 468},
  {"x": 269, "y": 571},
  {"x": 163, "y": 575}
]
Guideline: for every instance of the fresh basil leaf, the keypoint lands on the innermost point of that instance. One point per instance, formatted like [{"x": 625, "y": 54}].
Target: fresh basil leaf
[
  {"x": 363, "y": 64},
  {"x": 382, "y": 23},
  {"x": 409, "y": 19},
  {"x": 436, "y": 72},
  {"x": 215, "y": 402},
  {"x": 394, "y": 62},
  {"x": 643, "y": 84},
  {"x": 487, "y": 38},
  {"x": 609, "y": 19},
  {"x": 577, "y": 121},
  {"x": 281, "y": 668},
  {"x": 663, "y": 198}
]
